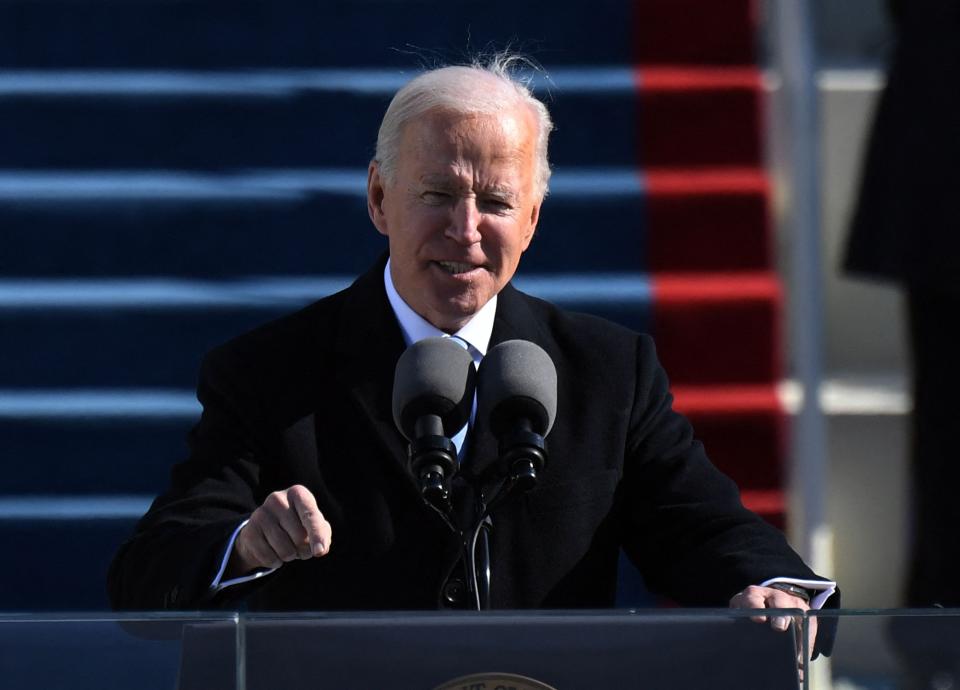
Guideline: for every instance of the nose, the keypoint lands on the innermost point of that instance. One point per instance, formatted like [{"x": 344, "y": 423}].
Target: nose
[{"x": 464, "y": 226}]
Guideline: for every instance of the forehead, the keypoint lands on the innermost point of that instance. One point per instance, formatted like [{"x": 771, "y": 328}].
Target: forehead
[{"x": 441, "y": 138}]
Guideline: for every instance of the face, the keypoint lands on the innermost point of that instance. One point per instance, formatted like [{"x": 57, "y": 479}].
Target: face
[{"x": 460, "y": 210}]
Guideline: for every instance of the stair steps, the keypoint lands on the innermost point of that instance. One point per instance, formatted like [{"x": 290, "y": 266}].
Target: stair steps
[{"x": 174, "y": 173}]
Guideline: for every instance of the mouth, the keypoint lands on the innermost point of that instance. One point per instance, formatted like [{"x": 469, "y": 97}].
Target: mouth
[{"x": 455, "y": 268}]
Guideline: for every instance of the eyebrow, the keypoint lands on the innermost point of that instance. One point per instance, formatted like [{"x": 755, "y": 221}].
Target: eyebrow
[
  {"x": 503, "y": 194},
  {"x": 444, "y": 181},
  {"x": 447, "y": 182}
]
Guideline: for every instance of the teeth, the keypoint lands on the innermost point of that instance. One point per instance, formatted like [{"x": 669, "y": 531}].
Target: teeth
[{"x": 455, "y": 267}]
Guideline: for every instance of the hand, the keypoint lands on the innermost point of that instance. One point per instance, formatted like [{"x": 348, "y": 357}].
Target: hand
[
  {"x": 755, "y": 597},
  {"x": 288, "y": 526}
]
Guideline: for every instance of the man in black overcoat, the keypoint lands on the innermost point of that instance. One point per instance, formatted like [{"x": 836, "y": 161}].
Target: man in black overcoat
[{"x": 296, "y": 494}]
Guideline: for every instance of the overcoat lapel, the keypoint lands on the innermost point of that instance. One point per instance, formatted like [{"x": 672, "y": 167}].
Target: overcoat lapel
[{"x": 369, "y": 343}]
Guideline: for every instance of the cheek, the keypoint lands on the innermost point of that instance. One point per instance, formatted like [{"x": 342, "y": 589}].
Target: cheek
[
  {"x": 505, "y": 231},
  {"x": 515, "y": 242},
  {"x": 413, "y": 227},
  {"x": 424, "y": 222}
]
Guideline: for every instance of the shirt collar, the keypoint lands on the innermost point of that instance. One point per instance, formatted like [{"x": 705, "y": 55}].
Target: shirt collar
[{"x": 476, "y": 331}]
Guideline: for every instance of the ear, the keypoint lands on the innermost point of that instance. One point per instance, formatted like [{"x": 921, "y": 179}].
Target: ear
[
  {"x": 532, "y": 230},
  {"x": 375, "y": 198}
]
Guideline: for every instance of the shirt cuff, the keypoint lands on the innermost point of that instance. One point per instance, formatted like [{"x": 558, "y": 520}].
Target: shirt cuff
[
  {"x": 824, "y": 588},
  {"x": 218, "y": 583}
]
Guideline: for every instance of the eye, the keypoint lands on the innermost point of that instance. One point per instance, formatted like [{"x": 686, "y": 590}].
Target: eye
[
  {"x": 495, "y": 205},
  {"x": 435, "y": 197}
]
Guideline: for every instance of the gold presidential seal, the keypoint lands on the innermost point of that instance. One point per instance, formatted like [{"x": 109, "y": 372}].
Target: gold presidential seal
[{"x": 494, "y": 681}]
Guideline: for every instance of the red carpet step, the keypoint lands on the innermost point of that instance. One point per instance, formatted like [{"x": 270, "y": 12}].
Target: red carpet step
[
  {"x": 700, "y": 116},
  {"x": 718, "y": 328},
  {"x": 695, "y": 31},
  {"x": 714, "y": 219}
]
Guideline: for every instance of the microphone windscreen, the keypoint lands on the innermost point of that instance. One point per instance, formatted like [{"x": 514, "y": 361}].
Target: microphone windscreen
[
  {"x": 434, "y": 376},
  {"x": 517, "y": 379}
]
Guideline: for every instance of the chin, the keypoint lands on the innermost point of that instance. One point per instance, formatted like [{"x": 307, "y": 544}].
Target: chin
[{"x": 452, "y": 316}]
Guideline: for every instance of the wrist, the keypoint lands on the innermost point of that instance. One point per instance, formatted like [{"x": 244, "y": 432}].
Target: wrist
[{"x": 238, "y": 564}]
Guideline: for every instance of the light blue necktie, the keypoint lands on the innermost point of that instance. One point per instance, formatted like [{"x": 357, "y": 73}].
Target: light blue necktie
[{"x": 460, "y": 438}]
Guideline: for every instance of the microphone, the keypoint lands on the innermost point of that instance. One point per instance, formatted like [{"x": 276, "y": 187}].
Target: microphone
[
  {"x": 517, "y": 396},
  {"x": 433, "y": 389}
]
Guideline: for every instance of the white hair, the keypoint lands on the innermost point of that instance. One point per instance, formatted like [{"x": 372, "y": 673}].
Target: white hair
[{"x": 483, "y": 88}]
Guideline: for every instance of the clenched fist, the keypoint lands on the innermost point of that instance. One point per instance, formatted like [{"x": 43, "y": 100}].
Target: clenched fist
[{"x": 288, "y": 526}]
